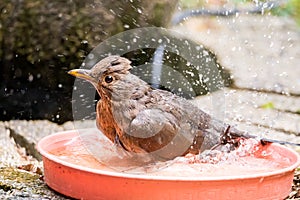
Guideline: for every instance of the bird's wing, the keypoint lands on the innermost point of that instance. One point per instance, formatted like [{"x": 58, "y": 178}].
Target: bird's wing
[{"x": 159, "y": 133}]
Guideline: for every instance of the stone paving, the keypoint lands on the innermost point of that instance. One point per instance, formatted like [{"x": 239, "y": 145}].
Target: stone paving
[
  {"x": 262, "y": 51},
  {"x": 263, "y": 54}
]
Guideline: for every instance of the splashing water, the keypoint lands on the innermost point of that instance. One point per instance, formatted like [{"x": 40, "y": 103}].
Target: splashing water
[{"x": 249, "y": 158}]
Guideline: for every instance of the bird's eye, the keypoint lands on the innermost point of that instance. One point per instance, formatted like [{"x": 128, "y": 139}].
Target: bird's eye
[
  {"x": 115, "y": 62},
  {"x": 108, "y": 79}
]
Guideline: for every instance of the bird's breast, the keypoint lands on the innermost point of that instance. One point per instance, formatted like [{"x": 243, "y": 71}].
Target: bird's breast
[{"x": 104, "y": 120}]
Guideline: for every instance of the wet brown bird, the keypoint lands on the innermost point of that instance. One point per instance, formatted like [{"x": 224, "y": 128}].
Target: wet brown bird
[{"x": 143, "y": 119}]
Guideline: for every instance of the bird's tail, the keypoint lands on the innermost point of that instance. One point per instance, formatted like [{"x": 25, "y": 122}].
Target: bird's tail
[{"x": 231, "y": 135}]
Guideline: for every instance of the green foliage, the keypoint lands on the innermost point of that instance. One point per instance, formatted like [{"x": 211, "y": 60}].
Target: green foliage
[
  {"x": 63, "y": 32},
  {"x": 268, "y": 105},
  {"x": 40, "y": 31},
  {"x": 291, "y": 8},
  {"x": 191, "y": 3}
]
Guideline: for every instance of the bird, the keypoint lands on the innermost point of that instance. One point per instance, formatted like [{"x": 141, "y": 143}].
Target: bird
[{"x": 142, "y": 119}]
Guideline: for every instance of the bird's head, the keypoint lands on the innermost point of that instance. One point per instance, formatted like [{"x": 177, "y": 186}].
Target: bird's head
[{"x": 107, "y": 75}]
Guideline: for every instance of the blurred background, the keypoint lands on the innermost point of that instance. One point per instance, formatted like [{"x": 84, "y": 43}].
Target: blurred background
[{"x": 42, "y": 40}]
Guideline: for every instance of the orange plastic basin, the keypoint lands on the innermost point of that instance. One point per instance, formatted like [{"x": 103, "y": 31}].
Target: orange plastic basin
[{"x": 82, "y": 182}]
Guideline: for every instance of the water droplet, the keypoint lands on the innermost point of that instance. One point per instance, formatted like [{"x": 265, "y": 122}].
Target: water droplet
[
  {"x": 206, "y": 80},
  {"x": 205, "y": 53},
  {"x": 283, "y": 74},
  {"x": 91, "y": 56},
  {"x": 30, "y": 78}
]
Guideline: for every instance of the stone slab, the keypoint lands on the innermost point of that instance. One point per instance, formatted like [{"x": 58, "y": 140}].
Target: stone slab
[
  {"x": 261, "y": 51},
  {"x": 244, "y": 110}
]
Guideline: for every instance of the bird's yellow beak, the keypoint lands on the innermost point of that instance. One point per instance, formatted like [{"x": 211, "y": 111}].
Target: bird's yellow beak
[{"x": 83, "y": 74}]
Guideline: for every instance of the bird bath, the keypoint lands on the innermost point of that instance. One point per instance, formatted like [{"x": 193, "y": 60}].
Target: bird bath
[{"x": 71, "y": 169}]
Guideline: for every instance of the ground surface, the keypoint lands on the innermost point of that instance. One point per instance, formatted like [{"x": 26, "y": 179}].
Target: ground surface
[{"x": 262, "y": 53}]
